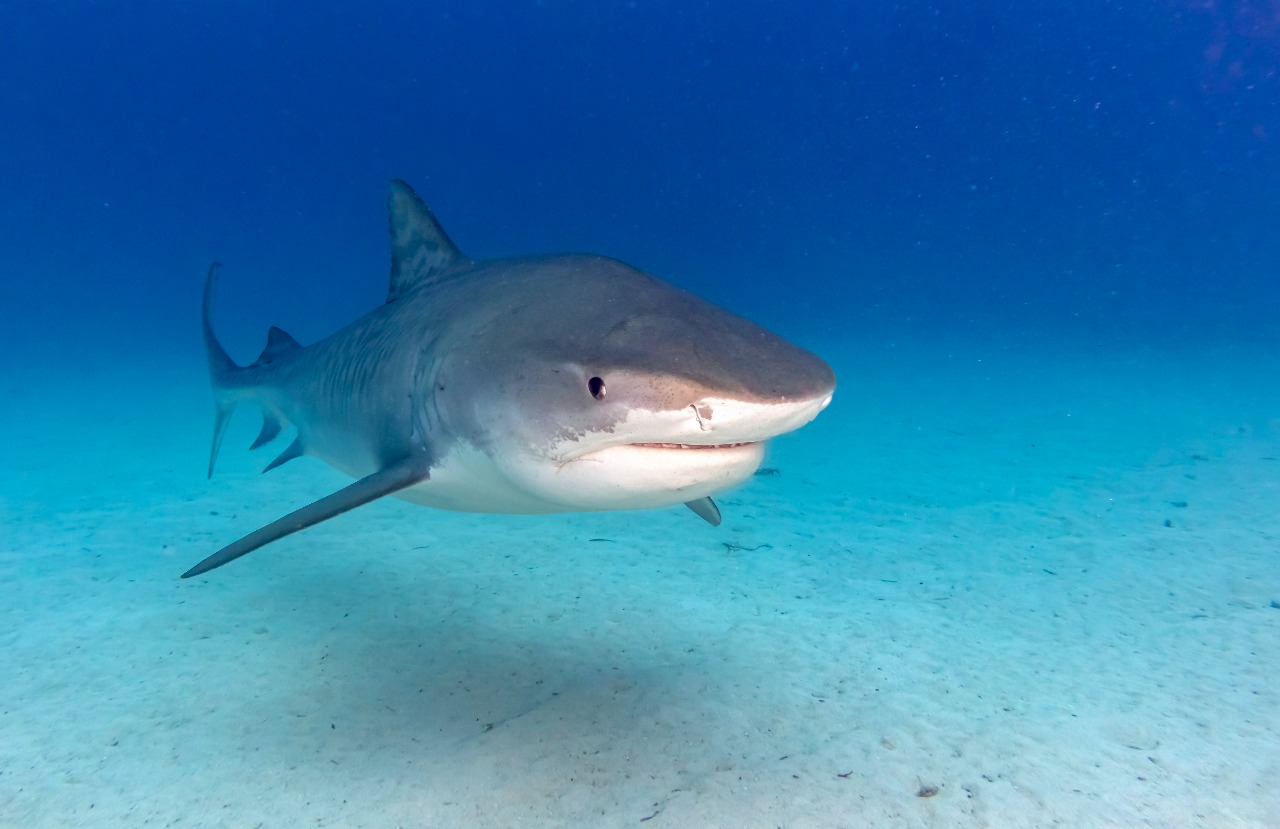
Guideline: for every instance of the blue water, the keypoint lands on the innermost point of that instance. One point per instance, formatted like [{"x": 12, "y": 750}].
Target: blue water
[
  {"x": 1040, "y": 243},
  {"x": 1105, "y": 167}
]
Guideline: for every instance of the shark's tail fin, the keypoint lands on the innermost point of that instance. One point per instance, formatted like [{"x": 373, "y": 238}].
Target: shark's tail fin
[{"x": 221, "y": 368}]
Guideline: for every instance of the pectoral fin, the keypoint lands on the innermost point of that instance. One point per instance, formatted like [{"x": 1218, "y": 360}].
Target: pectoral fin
[
  {"x": 384, "y": 482},
  {"x": 706, "y": 510}
]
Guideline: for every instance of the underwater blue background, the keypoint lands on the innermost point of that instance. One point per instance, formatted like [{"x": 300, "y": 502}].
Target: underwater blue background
[
  {"x": 1095, "y": 171},
  {"x": 1021, "y": 573}
]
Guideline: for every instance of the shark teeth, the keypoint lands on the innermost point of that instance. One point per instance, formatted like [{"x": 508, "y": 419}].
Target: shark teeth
[{"x": 692, "y": 445}]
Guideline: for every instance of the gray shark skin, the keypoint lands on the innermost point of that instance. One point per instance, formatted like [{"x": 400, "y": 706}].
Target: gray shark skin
[{"x": 527, "y": 385}]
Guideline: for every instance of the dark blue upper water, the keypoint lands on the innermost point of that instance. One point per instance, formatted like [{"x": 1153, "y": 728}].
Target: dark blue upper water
[{"x": 1096, "y": 169}]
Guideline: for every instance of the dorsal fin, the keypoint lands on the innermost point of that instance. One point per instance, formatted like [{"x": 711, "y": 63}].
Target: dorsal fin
[
  {"x": 420, "y": 249},
  {"x": 278, "y": 342}
]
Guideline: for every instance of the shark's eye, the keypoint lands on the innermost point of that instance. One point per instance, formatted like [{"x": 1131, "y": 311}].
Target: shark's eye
[{"x": 596, "y": 386}]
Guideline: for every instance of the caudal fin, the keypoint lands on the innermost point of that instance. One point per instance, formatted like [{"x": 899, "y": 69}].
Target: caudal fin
[{"x": 221, "y": 368}]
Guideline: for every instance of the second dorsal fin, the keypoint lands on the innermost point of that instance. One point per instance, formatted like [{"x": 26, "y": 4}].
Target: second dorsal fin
[{"x": 278, "y": 342}]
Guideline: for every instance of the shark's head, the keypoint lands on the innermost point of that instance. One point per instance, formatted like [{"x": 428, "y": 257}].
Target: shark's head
[{"x": 615, "y": 390}]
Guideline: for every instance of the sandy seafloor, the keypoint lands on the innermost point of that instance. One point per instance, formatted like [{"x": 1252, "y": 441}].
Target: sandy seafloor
[{"x": 1042, "y": 580}]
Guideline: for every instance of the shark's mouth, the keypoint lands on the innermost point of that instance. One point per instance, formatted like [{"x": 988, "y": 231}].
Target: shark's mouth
[
  {"x": 692, "y": 445},
  {"x": 659, "y": 473}
]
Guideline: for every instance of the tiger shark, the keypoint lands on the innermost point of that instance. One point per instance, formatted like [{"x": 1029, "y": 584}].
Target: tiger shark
[{"x": 542, "y": 384}]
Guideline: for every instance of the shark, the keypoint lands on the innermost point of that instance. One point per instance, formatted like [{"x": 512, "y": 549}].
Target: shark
[{"x": 537, "y": 384}]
